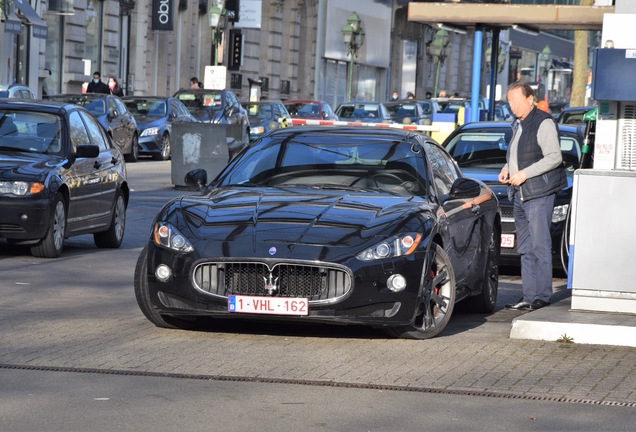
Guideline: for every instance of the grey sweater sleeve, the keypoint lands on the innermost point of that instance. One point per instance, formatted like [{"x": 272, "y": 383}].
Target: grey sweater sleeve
[{"x": 548, "y": 139}]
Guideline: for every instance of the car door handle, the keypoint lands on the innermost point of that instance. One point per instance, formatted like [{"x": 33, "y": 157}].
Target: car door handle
[
  {"x": 97, "y": 165},
  {"x": 475, "y": 208}
]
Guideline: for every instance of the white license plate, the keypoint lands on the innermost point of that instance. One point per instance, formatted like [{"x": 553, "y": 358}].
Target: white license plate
[
  {"x": 268, "y": 305},
  {"x": 507, "y": 241}
]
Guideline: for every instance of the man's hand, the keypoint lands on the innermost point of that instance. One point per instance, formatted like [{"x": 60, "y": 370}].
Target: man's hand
[
  {"x": 503, "y": 176},
  {"x": 518, "y": 179}
]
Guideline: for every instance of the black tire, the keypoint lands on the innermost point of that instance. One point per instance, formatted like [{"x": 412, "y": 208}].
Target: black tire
[
  {"x": 134, "y": 150},
  {"x": 165, "y": 150},
  {"x": 486, "y": 300},
  {"x": 114, "y": 235},
  {"x": 142, "y": 294},
  {"x": 53, "y": 242},
  {"x": 437, "y": 299}
]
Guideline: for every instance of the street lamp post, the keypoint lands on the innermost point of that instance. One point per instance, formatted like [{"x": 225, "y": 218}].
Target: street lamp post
[
  {"x": 438, "y": 50},
  {"x": 544, "y": 61},
  {"x": 218, "y": 21},
  {"x": 353, "y": 37}
]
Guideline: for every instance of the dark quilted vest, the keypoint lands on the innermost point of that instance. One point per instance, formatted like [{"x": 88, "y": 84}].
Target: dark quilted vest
[{"x": 529, "y": 152}]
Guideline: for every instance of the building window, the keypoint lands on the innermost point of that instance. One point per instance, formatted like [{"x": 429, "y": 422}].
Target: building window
[
  {"x": 93, "y": 55},
  {"x": 52, "y": 83}
]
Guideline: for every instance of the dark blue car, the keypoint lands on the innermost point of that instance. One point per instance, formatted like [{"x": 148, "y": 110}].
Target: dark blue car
[{"x": 154, "y": 116}]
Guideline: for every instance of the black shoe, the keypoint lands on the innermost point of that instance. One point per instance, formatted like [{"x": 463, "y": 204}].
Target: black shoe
[
  {"x": 538, "y": 304},
  {"x": 520, "y": 305}
]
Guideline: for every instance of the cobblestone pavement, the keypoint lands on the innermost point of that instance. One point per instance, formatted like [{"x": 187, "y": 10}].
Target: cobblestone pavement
[{"x": 89, "y": 319}]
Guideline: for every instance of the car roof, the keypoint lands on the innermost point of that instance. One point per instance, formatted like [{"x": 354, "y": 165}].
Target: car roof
[
  {"x": 260, "y": 102},
  {"x": 573, "y": 129},
  {"x": 35, "y": 104},
  {"x": 343, "y": 130},
  {"x": 79, "y": 95},
  {"x": 306, "y": 101},
  {"x": 163, "y": 98}
]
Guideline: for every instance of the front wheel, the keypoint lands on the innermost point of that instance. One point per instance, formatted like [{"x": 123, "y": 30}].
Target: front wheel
[
  {"x": 436, "y": 301},
  {"x": 164, "y": 151},
  {"x": 53, "y": 242},
  {"x": 113, "y": 237},
  {"x": 134, "y": 150}
]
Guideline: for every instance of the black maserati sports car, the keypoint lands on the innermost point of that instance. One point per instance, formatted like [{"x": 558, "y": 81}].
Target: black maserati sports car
[{"x": 331, "y": 225}]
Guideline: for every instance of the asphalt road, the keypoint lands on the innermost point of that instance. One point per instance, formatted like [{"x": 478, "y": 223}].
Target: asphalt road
[{"x": 76, "y": 353}]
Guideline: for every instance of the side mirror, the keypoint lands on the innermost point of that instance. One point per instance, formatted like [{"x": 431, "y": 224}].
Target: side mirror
[
  {"x": 196, "y": 179},
  {"x": 113, "y": 114},
  {"x": 83, "y": 151},
  {"x": 465, "y": 188},
  {"x": 325, "y": 115},
  {"x": 174, "y": 114},
  {"x": 87, "y": 151}
]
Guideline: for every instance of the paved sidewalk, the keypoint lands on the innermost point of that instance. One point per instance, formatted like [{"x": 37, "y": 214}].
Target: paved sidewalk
[{"x": 70, "y": 328}]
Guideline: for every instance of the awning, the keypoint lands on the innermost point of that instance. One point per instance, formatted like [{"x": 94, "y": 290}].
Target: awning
[
  {"x": 529, "y": 16},
  {"x": 40, "y": 29},
  {"x": 12, "y": 24}
]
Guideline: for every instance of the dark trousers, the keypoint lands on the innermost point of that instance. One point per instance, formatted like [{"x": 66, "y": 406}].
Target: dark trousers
[{"x": 532, "y": 221}]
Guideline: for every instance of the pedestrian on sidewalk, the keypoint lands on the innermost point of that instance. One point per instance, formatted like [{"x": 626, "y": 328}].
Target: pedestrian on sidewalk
[
  {"x": 534, "y": 173},
  {"x": 97, "y": 86},
  {"x": 114, "y": 87}
]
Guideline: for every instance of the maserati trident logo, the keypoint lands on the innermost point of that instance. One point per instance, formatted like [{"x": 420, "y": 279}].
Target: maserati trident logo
[{"x": 271, "y": 284}]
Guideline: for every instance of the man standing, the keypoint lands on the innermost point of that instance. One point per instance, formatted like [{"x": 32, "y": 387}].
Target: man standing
[
  {"x": 534, "y": 173},
  {"x": 97, "y": 86}
]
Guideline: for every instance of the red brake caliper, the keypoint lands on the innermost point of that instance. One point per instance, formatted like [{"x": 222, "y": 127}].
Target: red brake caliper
[{"x": 431, "y": 274}]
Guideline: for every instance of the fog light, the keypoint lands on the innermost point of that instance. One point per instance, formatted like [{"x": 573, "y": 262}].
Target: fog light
[
  {"x": 163, "y": 273},
  {"x": 24, "y": 216},
  {"x": 396, "y": 283}
]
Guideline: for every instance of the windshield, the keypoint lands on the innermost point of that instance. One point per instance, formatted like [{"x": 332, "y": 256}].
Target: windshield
[
  {"x": 368, "y": 163},
  {"x": 259, "y": 110},
  {"x": 30, "y": 131},
  {"x": 303, "y": 109},
  {"x": 96, "y": 107},
  {"x": 402, "y": 110},
  {"x": 208, "y": 101},
  {"x": 145, "y": 107},
  {"x": 488, "y": 149},
  {"x": 358, "y": 111}
]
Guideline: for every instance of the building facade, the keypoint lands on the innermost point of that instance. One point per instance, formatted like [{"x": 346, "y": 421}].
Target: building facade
[{"x": 289, "y": 48}]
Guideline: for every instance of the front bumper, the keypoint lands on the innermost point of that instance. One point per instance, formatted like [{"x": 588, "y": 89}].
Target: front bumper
[
  {"x": 368, "y": 301},
  {"x": 24, "y": 218},
  {"x": 150, "y": 144}
]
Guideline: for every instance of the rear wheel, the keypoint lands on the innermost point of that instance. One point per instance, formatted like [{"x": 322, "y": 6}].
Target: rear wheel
[
  {"x": 487, "y": 299},
  {"x": 437, "y": 299},
  {"x": 113, "y": 237},
  {"x": 164, "y": 151},
  {"x": 142, "y": 293},
  {"x": 53, "y": 242}
]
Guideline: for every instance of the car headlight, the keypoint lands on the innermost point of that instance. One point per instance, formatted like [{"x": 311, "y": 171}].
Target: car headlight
[
  {"x": 257, "y": 130},
  {"x": 169, "y": 237},
  {"x": 560, "y": 213},
  {"x": 20, "y": 188},
  {"x": 150, "y": 131},
  {"x": 404, "y": 244}
]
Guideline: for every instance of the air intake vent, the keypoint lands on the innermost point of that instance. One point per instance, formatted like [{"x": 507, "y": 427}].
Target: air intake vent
[{"x": 628, "y": 137}]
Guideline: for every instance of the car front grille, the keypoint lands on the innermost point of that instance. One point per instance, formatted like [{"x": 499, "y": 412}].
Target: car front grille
[{"x": 323, "y": 284}]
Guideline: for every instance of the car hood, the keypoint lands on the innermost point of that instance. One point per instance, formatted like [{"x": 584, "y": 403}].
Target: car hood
[
  {"x": 25, "y": 166},
  {"x": 251, "y": 221},
  {"x": 207, "y": 116},
  {"x": 144, "y": 122}
]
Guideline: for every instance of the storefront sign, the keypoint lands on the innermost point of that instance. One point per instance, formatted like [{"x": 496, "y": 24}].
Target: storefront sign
[
  {"x": 215, "y": 77},
  {"x": 236, "y": 50},
  {"x": 162, "y": 15},
  {"x": 249, "y": 14}
]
